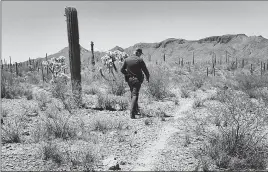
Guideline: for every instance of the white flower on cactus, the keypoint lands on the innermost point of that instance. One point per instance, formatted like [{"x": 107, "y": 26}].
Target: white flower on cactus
[{"x": 45, "y": 63}]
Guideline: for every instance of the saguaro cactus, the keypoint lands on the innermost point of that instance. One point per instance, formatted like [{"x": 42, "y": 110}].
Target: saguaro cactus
[
  {"x": 92, "y": 51},
  {"x": 10, "y": 66},
  {"x": 261, "y": 68},
  {"x": 74, "y": 52},
  {"x": 164, "y": 57},
  {"x": 43, "y": 77},
  {"x": 17, "y": 72},
  {"x": 193, "y": 57}
]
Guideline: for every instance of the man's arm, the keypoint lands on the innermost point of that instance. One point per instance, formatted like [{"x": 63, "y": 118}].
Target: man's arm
[
  {"x": 123, "y": 69},
  {"x": 145, "y": 70}
]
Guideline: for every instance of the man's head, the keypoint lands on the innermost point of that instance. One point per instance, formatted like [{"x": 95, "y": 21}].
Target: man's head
[{"x": 138, "y": 52}]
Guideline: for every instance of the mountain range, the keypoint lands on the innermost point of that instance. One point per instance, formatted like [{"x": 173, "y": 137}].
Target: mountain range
[{"x": 236, "y": 46}]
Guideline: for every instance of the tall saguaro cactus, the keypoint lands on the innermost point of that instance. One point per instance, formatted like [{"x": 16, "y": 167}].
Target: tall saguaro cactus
[
  {"x": 193, "y": 57},
  {"x": 74, "y": 52},
  {"x": 92, "y": 51}
]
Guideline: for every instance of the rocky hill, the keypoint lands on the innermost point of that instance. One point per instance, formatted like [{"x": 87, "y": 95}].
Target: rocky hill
[{"x": 237, "y": 46}]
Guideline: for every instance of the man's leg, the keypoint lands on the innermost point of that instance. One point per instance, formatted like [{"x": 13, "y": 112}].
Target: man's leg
[
  {"x": 137, "y": 93},
  {"x": 134, "y": 101}
]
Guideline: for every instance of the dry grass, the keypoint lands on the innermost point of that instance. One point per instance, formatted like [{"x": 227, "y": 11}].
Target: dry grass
[
  {"x": 74, "y": 156},
  {"x": 158, "y": 86},
  {"x": 43, "y": 99},
  {"x": 12, "y": 129},
  {"x": 239, "y": 140},
  {"x": 117, "y": 87},
  {"x": 111, "y": 102}
]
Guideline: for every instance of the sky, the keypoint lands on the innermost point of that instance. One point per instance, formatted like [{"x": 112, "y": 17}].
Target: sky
[{"x": 34, "y": 28}]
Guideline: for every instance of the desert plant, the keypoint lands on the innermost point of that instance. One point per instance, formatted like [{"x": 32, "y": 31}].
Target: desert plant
[
  {"x": 29, "y": 94},
  {"x": 106, "y": 102},
  {"x": 198, "y": 103},
  {"x": 117, "y": 87},
  {"x": 249, "y": 83},
  {"x": 51, "y": 151},
  {"x": 185, "y": 93},
  {"x": 11, "y": 131},
  {"x": 57, "y": 124},
  {"x": 103, "y": 125},
  {"x": 239, "y": 141},
  {"x": 43, "y": 100},
  {"x": 33, "y": 77},
  {"x": 91, "y": 90},
  {"x": 197, "y": 80},
  {"x": 74, "y": 52},
  {"x": 122, "y": 103},
  {"x": 158, "y": 84}
]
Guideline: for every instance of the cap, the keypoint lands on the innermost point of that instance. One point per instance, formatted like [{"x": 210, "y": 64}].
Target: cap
[{"x": 139, "y": 50}]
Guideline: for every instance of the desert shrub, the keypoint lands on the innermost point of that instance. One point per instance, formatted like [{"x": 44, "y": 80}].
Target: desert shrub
[
  {"x": 29, "y": 94},
  {"x": 118, "y": 86},
  {"x": 51, "y": 151},
  {"x": 158, "y": 84},
  {"x": 106, "y": 102},
  {"x": 84, "y": 159},
  {"x": 185, "y": 92},
  {"x": 250, "y": 83},
  {"x": 79, "y": 156},
  {"x": 197, "y": 80},
  {"x": 59, "y": 89},
  {"x": 43, "y": 100},
  {"x": 12, "y": 130},
  {"x": 231, "y": 66},
  {"x": 33, "y": 77},
  {"x": 57, "y": 123},
  {"x": 4, "y": 112},
  {"x": 239, "y": 141},
  {"x": 11, "y": 87},
  {"x": 198, "y": 103},
  {"x": 105, "y": 124},
  {"x": 122, "y": 102},
  {"x": 91, "y": 90},
  {"x": 15, "y": 91}
]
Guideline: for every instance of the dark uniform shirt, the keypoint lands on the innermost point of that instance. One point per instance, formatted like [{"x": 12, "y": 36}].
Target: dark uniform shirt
[{"x": 133, "y": 67}]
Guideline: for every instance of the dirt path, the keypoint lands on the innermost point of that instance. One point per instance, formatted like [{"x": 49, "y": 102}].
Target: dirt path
[{"x": 149, "y": 156}]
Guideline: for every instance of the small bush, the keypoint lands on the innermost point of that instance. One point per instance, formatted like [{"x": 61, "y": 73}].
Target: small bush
[
  {"x": 250, "y": 83},
  {"x": 43, "y": 100},
  {"x": 122, "y": 102},
  {"x": 51, "y": 151},
  {"x": 33, "y": 78},
  {"x": 4, "y": 113},
  {"x": 59, "y": 89},
  {"x": 11, "y": 130},
  {"x": 106, "y": 102},
  {"x": 239, "y": 142},
  {"x": 185, "y": 93},
  {"x": 29, "y": 94},
  {"x": 92, "y": 90},
  {"x": 198, "y": 103},
  {"x": 197, "y": 80},
  {"x": 57, "y": 124},
  {"x": 103, "y": 125},
  {"x": 117, "y": 87},
  {"x": 158, "y": 84}
]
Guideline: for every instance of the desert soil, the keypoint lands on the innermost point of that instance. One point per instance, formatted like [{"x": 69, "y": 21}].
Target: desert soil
[{"x": 159, "y": 145}]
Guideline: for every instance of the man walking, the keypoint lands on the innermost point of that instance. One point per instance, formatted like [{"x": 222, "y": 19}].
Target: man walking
[{"x": 132, "y": 69}]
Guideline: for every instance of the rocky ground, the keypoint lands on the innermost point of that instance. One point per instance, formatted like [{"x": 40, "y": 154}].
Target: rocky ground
[{"x": 163, "y": 142}]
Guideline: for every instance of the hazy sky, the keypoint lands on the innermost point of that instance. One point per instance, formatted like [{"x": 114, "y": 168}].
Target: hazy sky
[{"x": 31, "y": 29}]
